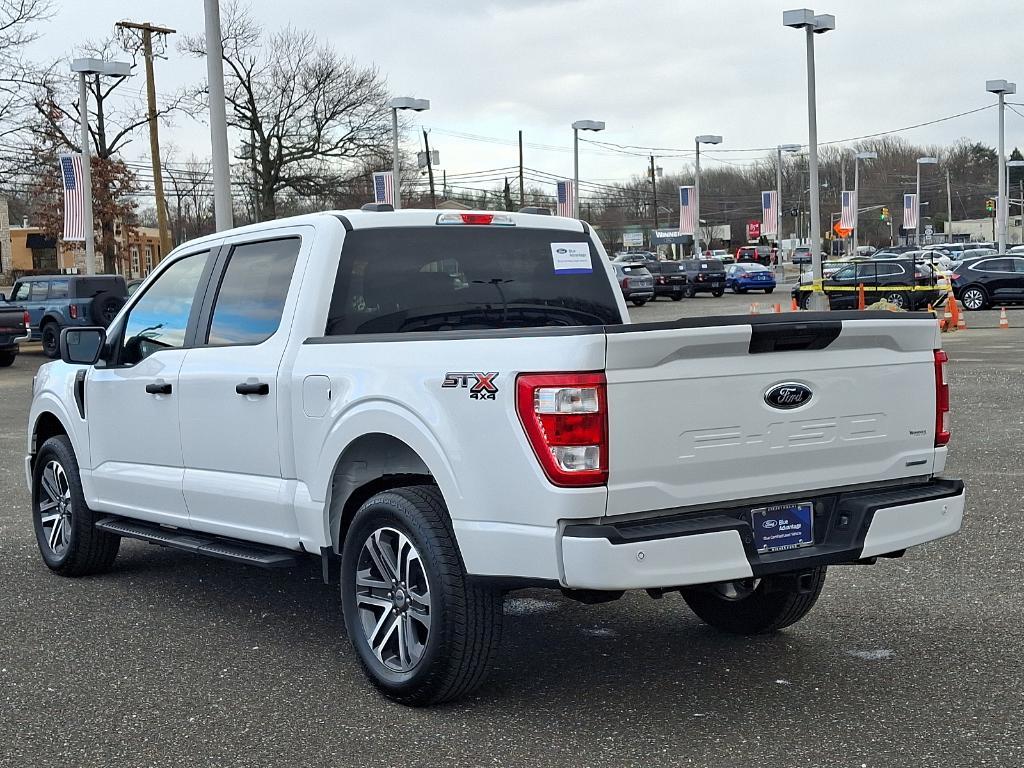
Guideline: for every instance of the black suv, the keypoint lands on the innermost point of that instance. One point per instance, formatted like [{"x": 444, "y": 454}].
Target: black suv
[
  {"x": 898, "y": 281},
  {"x": 981, "y": 282},
  {"x": 703, "y": 276}
]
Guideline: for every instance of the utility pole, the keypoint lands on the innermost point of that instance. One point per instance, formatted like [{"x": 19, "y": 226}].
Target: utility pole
[
  {"x": 147, "y": 30},
  {"x": 522, "y": 190},
  {"x": 430, "y": 169},
  {"x": 949, "y": 211},
  {"x": 654, "y": 190}
]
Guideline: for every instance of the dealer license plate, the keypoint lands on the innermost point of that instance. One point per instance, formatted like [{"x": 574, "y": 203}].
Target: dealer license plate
[{"x": 783, "y": 526}]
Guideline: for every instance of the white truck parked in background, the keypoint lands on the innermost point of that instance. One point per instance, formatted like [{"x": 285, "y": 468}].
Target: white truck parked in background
[{"x": 447, "y": 406}]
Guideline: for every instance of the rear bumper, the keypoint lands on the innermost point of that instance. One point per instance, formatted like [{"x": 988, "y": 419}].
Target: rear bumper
[{"x": 709, "y": 546}]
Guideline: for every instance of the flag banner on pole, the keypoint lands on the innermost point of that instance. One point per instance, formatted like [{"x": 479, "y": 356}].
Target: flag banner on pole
[
  {"x": 848, "y": 220},
  {"x": 910, "y": 211},
  {"x": 74, "y": 197},
  {"x": 770, "y": 212},
  {"x": 566, "y": 199},
  {"x": 687, "y": 221},
  {"x": 384, "y": 187}
]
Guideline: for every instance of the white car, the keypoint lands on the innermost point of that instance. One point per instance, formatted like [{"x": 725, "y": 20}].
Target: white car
[{"x": 444, "y": 406}]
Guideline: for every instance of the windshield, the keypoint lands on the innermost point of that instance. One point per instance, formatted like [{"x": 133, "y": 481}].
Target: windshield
[{"x": 439, "y": 278}]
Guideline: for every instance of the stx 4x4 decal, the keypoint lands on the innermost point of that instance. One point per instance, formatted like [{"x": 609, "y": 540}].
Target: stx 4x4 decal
[{"x": 481, "y": 388}]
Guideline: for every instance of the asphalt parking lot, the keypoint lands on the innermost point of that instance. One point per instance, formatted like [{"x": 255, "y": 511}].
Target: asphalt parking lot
[{"x": 175, "y": 660}]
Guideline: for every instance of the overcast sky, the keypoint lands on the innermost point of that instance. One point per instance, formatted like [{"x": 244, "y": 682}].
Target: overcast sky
[{"x": 657, "y": 71}]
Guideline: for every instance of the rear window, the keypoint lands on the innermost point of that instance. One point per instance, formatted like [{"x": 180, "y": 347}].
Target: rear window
[
  {"x": 408, "y": 279},
  {"x": 635, "y": 270},
  {"x": 707, "y": 265}
]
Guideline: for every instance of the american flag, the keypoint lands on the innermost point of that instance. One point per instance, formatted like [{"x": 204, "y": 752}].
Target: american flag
[
  {"x": 910, "y": 211},
  {"x": 687, "y": 224},
  {"x": 770, "y": 212},
  {"x": 74, "y": 197},
  {"x": 566, "y": 199},
  {"x": 384, "y": 188},
  {"x": 848, "y": 218}
]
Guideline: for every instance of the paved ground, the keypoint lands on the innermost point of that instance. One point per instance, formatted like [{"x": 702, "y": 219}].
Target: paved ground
[{"x": 174, "y": 660}]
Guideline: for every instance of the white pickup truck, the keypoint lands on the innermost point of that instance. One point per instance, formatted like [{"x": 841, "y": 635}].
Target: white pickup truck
[{"x": 447, "y": 406}]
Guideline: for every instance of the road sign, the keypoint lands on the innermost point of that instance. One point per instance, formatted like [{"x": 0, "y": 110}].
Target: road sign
[
  {"x": 840, "y": 231},
  {"x": 753, "y": 230},
  {"x": 632, "y": 239}
]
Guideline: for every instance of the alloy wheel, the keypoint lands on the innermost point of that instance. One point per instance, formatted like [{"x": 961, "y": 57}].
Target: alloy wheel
[
  {"x": 393, "y": 599},
  {"x": 55, "y": 508},
  {"x": 973, "y": 298}
]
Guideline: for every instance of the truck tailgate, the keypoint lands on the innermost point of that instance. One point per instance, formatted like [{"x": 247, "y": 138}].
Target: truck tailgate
[{"x": 690, "y": 424}]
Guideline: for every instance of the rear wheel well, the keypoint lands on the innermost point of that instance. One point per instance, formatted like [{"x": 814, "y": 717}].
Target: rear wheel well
[{"x": 371, "y": 464}]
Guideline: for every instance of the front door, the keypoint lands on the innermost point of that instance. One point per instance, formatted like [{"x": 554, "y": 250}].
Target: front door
[
  {"x": 131, "y": 402},
  {"x": 230, "y": 398}
]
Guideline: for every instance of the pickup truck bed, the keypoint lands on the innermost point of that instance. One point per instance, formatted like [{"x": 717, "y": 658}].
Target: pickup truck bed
[
  {"x": 13, "y": 330},
  {"x": 444, "y": 406}
]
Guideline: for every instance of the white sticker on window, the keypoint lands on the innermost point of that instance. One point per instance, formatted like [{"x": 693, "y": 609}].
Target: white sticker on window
[{"x": 571, "y": 258}]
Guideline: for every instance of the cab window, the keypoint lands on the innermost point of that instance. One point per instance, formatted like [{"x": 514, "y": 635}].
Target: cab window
[
  {"x": 39, "y": 289},
  {"x": 159, "y": 319},
  {"x": 21, "y": 292}
]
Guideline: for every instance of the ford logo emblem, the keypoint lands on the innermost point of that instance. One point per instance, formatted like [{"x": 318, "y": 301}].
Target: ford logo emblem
[
  {"x": 561, "y": 250},
  {"x": 787, "y": 395},
  {"x": 769, "y": 523}
]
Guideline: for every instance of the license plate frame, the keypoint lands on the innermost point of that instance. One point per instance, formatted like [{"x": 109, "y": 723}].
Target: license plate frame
[{"x": 782, "y": 527}]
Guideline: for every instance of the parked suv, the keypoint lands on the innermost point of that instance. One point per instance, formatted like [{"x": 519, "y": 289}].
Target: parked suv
[
  {"x": 669, "y": 277},
  {"x": 758, "y": 254},
  {"x": 635, "y": 282},
  {"x": 900, "y": 282},
  {"x": 703, "y": 276},
  {"x": 981, "y": 282},
  {"x": 59, "y": 301}
]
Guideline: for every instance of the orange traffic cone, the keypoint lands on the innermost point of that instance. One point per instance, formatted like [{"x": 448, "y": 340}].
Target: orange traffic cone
[
  {"x": 954, "y": 312},
  {"x": 961, "y": 319},
  {"x": 778, "y": 309},
  {"x": 793, "y": 305},
  {"x": 860, "y": 297},
  {"x": 755, "y": 309},
  {"x": 1003, "y": 321},
  {"x": 947, "y": 320}
]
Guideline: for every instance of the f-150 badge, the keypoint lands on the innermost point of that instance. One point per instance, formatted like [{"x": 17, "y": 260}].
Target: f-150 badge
[{"x": 481, "y": 385}]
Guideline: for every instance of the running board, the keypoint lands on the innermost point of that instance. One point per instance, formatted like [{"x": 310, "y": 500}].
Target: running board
[{"x": 200, "y": 543}]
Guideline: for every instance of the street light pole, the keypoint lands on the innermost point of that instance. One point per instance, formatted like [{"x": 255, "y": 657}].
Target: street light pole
[
  {"x": 96, "y": 67},
  {"x": 580, "y": 125},
  {"x": 1001, "y": 88},
  {"x": 856, "y": 191},
  {"x": 698, "y": 140},
  {"x": 223, "y": 215},
  {"x": 804, "y": 18},
  {"x": 395, "y": 104},
  {"x": 917, "y": 197}
]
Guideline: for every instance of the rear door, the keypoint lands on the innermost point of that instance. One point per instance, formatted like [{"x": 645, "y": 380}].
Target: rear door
[
  {"x": 229, "y": 391},
  {"x": 870, "y": 416},
  {"x": 1018, "y": 279}
]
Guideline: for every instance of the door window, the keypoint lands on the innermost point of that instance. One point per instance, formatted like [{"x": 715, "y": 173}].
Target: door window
[
  {"x": 39, "y": 288},
  {"x": 21, "y": 292},
  {"x": 994, "y": 265},
  {"x": 1018, "y": 266},
  {"x": 889, "y": 269},
  {"x": 160, "y": 317},
  {"x": 251, "y": 296},
  {"x": 846, "y": 273},
  {"x": 59, "y": 289}
]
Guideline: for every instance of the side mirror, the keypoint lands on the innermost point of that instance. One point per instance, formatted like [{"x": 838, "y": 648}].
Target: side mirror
[{"x": 81, "y": 346}]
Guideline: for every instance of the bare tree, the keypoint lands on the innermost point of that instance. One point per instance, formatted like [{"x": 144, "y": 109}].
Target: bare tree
[
  {"x": 17, "y": 31},
  {"x": 308, "y": 118},
  {"x": 190, "y": 198}
]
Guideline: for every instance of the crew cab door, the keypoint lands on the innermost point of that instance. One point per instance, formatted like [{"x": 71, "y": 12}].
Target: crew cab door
[
  {"x": 131, "y": 401},
  {"x": 233, "y": 482}
]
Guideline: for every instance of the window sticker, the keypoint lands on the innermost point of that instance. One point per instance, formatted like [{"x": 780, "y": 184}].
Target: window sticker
[{"x": 571, "y": 258}]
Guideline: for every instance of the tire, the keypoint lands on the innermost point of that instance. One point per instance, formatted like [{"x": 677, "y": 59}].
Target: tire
[
  {"x": 453, "y": 653},
  {"x": 689, "y": 292},
  {"x": 7, "y": 359},
  {"x": 718, "y": 293},
  {"x": 50, "y": 336},
  {"x": 768, "y": 290},
  {"x": 805, "y": 299},
  {"x": 677, "y": 297},
  {"x": 68, "y": 539},
  {"x": 899, "y": 299},
  {"x": 104, "y": 308},
  {"x": 653, "y": 298},
  {"x": 639, "y": 302},
  {"x": 974, "y": 298},
  {"x": 755, "y": 606}
]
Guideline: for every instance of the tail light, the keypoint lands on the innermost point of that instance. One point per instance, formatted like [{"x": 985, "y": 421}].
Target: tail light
[
  {"x": 954, "y": 276},
  {"x": 28, "y": 321},
  {"x": 565, "y": 417},
  {"x": 477, "y": 219},
  {"x": 625, "y": 283},
  {"x": 73, "y": 311},
  {"x": 941, "y": 399}
]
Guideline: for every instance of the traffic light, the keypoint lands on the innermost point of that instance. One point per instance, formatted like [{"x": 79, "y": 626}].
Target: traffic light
[
  {"x": 990, "y": 205},
  {"x": 883, "y": 215}
]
